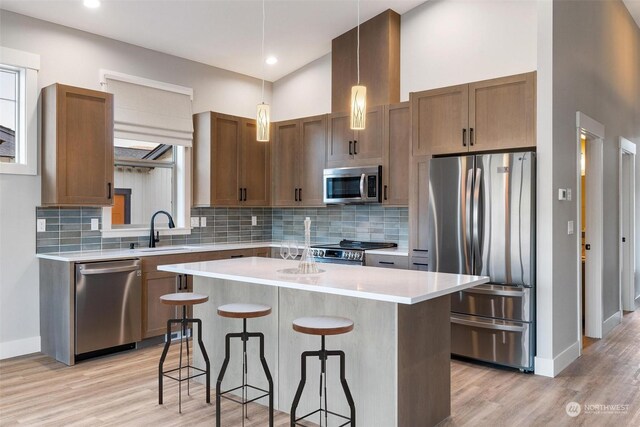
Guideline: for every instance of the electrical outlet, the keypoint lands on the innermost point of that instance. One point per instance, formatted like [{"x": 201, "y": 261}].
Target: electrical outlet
[
  {"x": 95, "y": 224},
  {"x": 254, "y": 220},
  {"x": 562, "y": 194},
  {"x": 203, "y": 221},
  {"x": 41, "y": 225},
  {"x": 195, "y": 221},
  {"x": 570, "y": 227}
]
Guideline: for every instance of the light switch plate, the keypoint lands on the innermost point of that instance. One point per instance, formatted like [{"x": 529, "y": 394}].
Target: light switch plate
[
  {"x": 254, "y": 220},
  {"x": 41, "y": 225},
  {"x": 203, "y": 221},
  {"x": 570, "y": 227},
  {"x": 95, "y": 224},
  {"x": 195, "y": 221},
  {"x": 568, "y": 194}
]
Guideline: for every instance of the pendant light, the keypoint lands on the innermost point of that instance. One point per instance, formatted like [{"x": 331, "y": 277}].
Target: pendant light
[
  {"x": 358, "y": 92},
  {"x": 262, "y": 117}
]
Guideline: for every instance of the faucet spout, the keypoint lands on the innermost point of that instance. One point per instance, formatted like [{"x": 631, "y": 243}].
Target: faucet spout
[{"x": 155, "y": 236}]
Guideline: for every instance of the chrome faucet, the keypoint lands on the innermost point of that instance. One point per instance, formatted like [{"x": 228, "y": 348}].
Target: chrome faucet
[{"x": 155, "y": 237}]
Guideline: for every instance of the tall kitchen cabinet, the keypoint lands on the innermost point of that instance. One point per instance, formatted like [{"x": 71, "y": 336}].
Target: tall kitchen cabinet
[
  {"x": 346, "y": 147},
  {"x": 491, "y": 115},
  {"x": 395, "y": 155},
  {"x": 77, "y": 146},
  {"x": 298, "y": 161},
  {"x": 231, "y": 168}
]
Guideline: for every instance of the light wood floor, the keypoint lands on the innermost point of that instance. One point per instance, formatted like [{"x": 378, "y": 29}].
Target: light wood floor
[{"x": 122, "y": 390}]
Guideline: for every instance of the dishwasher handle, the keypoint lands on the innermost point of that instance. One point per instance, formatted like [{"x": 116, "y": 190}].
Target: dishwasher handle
[{"x": 88, "y": 272}]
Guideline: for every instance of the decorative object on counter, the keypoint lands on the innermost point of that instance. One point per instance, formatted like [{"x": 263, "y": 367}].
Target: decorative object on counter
[
  {"x": 323, "y": 325},
  {"x": 184, "y": 299},
  {"x": 244, "y": 312},
  {"x": 358, "y": 92},
  {"x": 262, "y": 119},
  {"x": 307, "y": 262}
]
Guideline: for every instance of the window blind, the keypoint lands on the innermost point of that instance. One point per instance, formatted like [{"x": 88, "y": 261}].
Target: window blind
[{"x": 145, "y": 113}]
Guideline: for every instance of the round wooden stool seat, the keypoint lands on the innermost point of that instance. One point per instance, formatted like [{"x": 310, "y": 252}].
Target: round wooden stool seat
[
  {"x": 183, "y": 298},
  {"x": 243, "y": 311},
  {"x": 323, "y": 325}
]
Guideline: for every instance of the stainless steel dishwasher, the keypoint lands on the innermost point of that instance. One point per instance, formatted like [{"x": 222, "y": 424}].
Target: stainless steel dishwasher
[{"x": 108, "y": 305}]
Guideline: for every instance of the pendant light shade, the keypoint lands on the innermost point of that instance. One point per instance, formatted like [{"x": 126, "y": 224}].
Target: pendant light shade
[
  {"x": 262, "y": 123},
  {"x": 358, "y": 92},
  {"x": 358, "y": 107}
]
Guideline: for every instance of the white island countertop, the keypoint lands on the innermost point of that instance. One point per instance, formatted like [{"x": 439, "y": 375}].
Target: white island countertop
[{"x": 381, "y": 284}]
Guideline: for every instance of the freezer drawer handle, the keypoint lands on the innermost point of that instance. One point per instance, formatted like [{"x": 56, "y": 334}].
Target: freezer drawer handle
[
  {"x": 502, "y": 293},
  {"x": 386, "y": 263},
  {"x": 93, "y": 271},
  {"x": 508, "y": 328}
]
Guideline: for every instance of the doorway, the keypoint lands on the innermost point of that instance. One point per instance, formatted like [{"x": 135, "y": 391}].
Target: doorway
[
  {"x": 589, "y": 182},
  {"x": 629, "y": 294}
]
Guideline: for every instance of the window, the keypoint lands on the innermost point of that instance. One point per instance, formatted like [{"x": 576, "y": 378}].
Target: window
[
  {"x": 153, "y": 132},
  {"x": 18, "y": 111}
]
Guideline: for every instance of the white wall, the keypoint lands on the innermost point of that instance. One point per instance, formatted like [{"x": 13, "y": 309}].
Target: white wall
[
  {"x": 305, "y": 92},
  {"x": 75, "y": 57}
]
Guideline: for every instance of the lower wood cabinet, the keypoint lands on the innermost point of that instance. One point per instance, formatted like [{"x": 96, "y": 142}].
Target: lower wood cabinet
[{"x": 157, "y": 283}]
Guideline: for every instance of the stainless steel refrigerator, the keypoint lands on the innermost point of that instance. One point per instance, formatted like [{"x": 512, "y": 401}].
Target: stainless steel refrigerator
[{"x": 482, "y": 222}]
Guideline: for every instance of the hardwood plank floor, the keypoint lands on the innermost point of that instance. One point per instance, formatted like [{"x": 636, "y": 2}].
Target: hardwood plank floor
[{"x": 122, "y": 390}]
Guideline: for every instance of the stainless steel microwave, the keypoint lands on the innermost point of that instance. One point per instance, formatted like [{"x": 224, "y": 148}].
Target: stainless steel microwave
[{"x": 353, "y": 185}]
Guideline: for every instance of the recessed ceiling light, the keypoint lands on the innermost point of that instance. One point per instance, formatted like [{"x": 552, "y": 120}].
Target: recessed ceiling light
[
  {"x": 92, "y": 4},
  {"x": 271, "y": 60}
]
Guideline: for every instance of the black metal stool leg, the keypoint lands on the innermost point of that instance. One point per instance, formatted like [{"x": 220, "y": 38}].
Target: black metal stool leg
[
  {"x": 186, "y": 340},
  {"x": 205, "y": 357},
  {"x": 345, "y": 387},
  {"x": 162, "y": 359},
  {"x": 223, "y": 369},
  {"x": 268, "y": 375},
  {"x": 303, "y": 381}
]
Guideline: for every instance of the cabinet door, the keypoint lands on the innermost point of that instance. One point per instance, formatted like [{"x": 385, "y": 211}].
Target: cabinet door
[
  {"x": 226, "y": 139},
  {"x": 418, "y": 206},
  {"x": 262, "y": 252},
  {"x": 84, "y": 152},
  {"x": 256, "y": 167},
  {"x": 367, "y": 147},
  {"x": 154, "y": 313},
  {"x": 340, "y": 141},
  {"x": 397, "y": 139},
  {"x": 286, "y": 155},
  {"x": 502, "y": 113},
  {"x": 313, "y": 141},
  {"x": 440, "y": 120}
]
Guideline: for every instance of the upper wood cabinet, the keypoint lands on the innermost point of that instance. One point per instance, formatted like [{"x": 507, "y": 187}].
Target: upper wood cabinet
[
  {"x": 77, "y": 146},
  {"x": 298, "y": 161},
  {"x": 395, "y": 165},
  {"x": 346, "y": 147},
  {"x": 490, "y": 115},
  {"x": 231, "y": 168}
]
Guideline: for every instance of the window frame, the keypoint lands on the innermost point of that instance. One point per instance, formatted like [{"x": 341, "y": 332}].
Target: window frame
[{"x": 26, "y": 141}]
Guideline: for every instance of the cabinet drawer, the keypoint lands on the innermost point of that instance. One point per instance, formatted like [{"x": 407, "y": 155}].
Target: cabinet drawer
[
  {"x": 387, "y": 261},
  {"x": 503, "y": 302},
  {"x": 419, "y": 263}
]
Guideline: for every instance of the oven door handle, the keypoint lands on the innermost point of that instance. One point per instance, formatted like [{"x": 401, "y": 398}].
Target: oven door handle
[{"x": 363, "y": 178}]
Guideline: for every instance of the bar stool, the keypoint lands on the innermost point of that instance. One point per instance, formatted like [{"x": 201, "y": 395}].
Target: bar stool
[
  {"x": 323, "y": 325},
  {"x": 184, "y": 299},
  {"x": 244, "y": 312}
]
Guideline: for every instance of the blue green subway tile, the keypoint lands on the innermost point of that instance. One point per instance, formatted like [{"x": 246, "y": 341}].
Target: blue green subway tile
[
  {"x": 91, "y": 247},
  {"x": 107, "y": 246},
  {"x": 70, "y": 234},
  {"x": 70, "y": 248},
  {"x": 74, "y": 212},
  {"x": 47, "y": 212},
  {"x": 91, "y": 240},
  {"x": 47, "y": 249},
  {"x": 47, "y": 235},
  {"x": 48, "y": 242}
]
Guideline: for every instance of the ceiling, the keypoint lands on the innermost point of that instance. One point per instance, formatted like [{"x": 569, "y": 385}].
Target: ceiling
[
  {"x": 634, "y": 8},
  {"x": 221, "y": 33}
]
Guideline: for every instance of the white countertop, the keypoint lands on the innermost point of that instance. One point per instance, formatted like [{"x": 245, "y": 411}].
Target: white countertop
[
  {"x": 142, "y": 252},
  {"x": 391, "y": 285}
]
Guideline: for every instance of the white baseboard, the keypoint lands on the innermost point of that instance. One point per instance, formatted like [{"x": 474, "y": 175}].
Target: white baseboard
[
  {"x": 19, "y": 347},
  {"x": 611, "y": 323},
  {"x": 552, "y": 367}
]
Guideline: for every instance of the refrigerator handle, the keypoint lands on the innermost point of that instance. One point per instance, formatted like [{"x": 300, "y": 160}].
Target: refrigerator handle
[
  {"x": 467, "y": 234},
  {"x": 477, "y": 222}
]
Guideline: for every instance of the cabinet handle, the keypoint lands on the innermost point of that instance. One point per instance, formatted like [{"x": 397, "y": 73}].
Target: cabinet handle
[
  {"x": 299, "y": 194},
  {"x": 385, "y": 192},
  {"x": 421, "y": 250},
  {"x": 421, "y": 264},
  {"x": 386, "y": 263},
  {"x": 471, "y": 136},
  {"x": 237, "y": 256},
  {"x": 355, "y": 147},
  {"x": 245, "y": 194},
  {"x": 296, "y": 194},
  {"x": 464, "y": 137},
  {"x": 240, "y": 195},
  {"x": 179, "y": 281},
  {"x": 350, "y": 150},
  {"x": 109, "y": 191}
]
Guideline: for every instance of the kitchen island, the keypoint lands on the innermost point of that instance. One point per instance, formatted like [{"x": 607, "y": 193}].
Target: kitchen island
[{"x": 397, "y": 356}]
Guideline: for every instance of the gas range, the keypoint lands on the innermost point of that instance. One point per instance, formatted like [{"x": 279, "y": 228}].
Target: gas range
[{"x": 347, "y": 251}]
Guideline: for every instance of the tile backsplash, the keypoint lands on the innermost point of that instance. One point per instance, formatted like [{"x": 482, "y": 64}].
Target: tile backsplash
[{"x": 69, "y": 229}]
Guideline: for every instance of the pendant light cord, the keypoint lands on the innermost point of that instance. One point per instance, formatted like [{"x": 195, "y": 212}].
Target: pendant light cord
[
  {"x": 263, "y": 70},
  {"x": 358, "y": 46}
]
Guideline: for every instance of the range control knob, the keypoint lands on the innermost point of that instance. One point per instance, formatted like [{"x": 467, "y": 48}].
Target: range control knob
[
  {"x": 358, "y": 255},
  {"x": 321, "y": 252}
]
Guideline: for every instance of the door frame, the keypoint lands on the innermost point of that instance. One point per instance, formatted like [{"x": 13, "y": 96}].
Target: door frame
[
  {"x": 594, "y": 144},
  {"x": 626, "y": 184}
]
